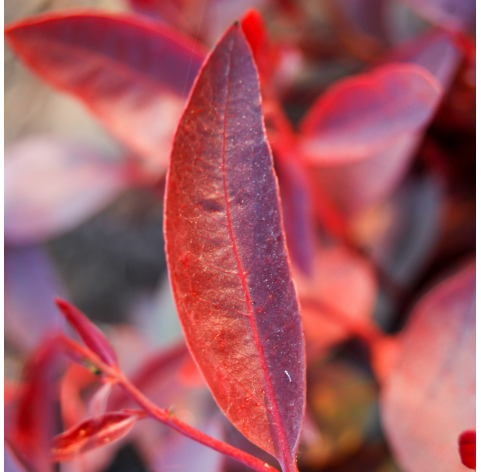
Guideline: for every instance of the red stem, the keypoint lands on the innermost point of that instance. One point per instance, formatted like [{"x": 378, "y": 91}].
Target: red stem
[{"x": 164, "y": 416}]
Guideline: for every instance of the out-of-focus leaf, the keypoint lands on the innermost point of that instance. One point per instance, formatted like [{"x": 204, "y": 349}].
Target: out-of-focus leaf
[
  {"x": 363, "y": 115},
  {"x": 34, "y": 420},
  {"x": 338, "y": 299},
  {"x": 227, "y": 256},
  {"x": 451, "y": 14},
  {"x": 352, "y": 187},
  {"x": 429, "y": 394},
  {"x": 434, "y": 50},
  {"x": 93, "y": 338},
  {"x": 52, "y": 186},
  {"x": 132, "y": 74},
  {"x": 31, "y": 284},
  {"x": 467, "y": 449},
  {"x": 184, "y": 455},
  {"x": 93, "y": 433}
]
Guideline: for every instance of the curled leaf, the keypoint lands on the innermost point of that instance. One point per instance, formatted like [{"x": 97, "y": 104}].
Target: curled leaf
[{"x": 467, "y": 449}]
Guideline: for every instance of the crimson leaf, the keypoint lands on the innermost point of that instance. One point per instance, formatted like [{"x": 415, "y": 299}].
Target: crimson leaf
[
  {"x": 93, "y": 338},
  {"x": 467, "y": 448},
  {"x": 227, "y": 256}
]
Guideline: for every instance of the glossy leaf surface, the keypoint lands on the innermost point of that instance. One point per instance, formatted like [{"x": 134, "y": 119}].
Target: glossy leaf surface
[
  {"x": 467, "y": 449},
  {"x": 227, "y": 256},
  {"x": 93, "y": 338},
  {"x": 92, "y": 433},
  {"x": 131, "y": 73},
  {"x": 52, "y": 186},
  {"x": 434, "y": 379},
  {"x": 359, "y": 116}
]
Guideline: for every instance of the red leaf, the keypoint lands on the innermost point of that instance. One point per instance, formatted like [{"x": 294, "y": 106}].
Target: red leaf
[
  {"x": 51, "y": 186},
  {"x": 363, "y": 115},
  {"x": 451, "y": 14},
  {"x": 93, "y": 338},
  {"x": 467, "y": 449},
  {"x": 227, "y": 256},
  {"x": 33, "y": 424},
  {"x": 92, "y": 433},
  {"x": 132, "y": 74},
  {"x": 429, "y": 394}
]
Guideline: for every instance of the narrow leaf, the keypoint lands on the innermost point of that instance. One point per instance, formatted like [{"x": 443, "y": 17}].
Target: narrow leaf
[
  {"x": 93, "y": 338},
  {"x": 52, "y": 186},
  {"x": 227, "y": 256},
  {"x": 132, "y": 74},
  {"x": 93, "y": 433},
  {"x": 429, "y": 394},
  {"x": 363, "y": 115},
  {"x": 467, "y": 449}
]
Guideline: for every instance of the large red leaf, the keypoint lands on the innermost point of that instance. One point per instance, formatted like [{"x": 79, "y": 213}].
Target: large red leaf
[
  {"x": 363, "y": 115},
  {"x": 429, "y": 395},
  {"x": 227, "y": 256},
  {"x": 133, "y": 74},
  {"x": 51, "y": 186}
]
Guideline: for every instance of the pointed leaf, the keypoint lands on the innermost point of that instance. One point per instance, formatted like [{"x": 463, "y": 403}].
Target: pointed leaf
[
  {"x": 131, "y": 73},
  {"x": 93, "y": 338},
  {"x": 93, "y": 433},
  {"x": 227, "y": 255},
  {"x": 467, "y": 449},
  {"x": 52, "y": 186},
  {"x": 363, "y": 115},
  {"x": 429, "y": 394}
]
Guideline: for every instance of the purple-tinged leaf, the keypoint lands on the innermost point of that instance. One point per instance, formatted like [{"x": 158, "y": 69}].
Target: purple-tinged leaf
[
  {"x": 361, "y": 116},
  {"x": 52, "y": 186},
  {"x": 227, "y": 256},
  {"x": 93, "y": 338},
  {"x": 429, "y": 394},
  {"x": 132, "y": 74}
]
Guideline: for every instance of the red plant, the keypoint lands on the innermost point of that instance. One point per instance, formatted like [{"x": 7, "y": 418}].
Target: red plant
[{"x": 282, "y": 243}]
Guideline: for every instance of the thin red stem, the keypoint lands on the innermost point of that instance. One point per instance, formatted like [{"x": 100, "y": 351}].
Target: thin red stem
[{"x": 80, "y": 352}]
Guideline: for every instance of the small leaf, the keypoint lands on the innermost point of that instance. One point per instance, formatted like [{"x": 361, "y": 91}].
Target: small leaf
[
  {"x": 467, "y": 449},
  {"x": 131, "y": 73},
  {"x": 429, "y": 394},
  {"x": 93, "y": 433},
  {"x": 364, "y": 114},
  {"x": 227, "y": 256},
  {"x": 93, "y": 338},
  {"x": 52, "y": 186}
]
